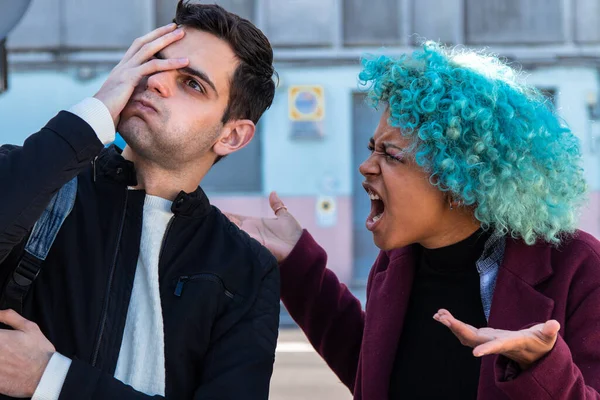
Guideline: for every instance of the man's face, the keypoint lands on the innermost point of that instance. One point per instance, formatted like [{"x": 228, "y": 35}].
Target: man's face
[{"x": 174, "y": 117}]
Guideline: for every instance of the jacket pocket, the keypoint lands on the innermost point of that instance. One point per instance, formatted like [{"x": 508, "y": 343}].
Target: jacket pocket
[{"x": 183, "y": 280}]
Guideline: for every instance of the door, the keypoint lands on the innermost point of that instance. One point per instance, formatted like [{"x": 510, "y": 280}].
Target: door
[{"x": 364, "y": 122}]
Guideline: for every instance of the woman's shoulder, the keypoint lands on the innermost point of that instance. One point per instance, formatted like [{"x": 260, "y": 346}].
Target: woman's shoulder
[
  {"x": 581, "y": 245},
  {"x": 577, "y": 257}
]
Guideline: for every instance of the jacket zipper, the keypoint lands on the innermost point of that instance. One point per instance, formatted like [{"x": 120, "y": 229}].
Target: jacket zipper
[
  {"x": 164, "y": 240},
  {"x": 94, "y": 167},
  {"x": 110, "y": 282},
  {"x": 205, "y": 276}
]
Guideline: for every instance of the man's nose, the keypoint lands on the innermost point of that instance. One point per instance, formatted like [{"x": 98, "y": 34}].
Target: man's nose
[{"x": 161, "y": 83}]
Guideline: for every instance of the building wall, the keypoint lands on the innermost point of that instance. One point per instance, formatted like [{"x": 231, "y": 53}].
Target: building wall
[{"x": 302, "y": 172}]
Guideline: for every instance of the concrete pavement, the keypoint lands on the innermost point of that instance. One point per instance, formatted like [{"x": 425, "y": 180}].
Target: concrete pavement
[{"x": 301, "y": 374}]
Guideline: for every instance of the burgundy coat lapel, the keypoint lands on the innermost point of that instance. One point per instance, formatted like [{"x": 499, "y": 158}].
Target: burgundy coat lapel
[
  {"x": 385, "y": 312},
  {"x": 516, "y": 302}
]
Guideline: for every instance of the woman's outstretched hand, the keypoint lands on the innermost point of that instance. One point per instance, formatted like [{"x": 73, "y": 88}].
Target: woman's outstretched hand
[
  {"x": 524, "y": 347},
  {"x": 279, "y": 234}
]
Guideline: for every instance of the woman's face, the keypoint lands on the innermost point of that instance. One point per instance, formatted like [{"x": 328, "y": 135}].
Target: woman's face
[{"x": 405, "y": 207}]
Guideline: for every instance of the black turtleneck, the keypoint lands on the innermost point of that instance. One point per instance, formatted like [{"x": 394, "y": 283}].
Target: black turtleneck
[{"x": 430, "y": 362}]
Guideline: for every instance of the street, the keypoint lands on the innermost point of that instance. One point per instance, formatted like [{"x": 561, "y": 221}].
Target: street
[{"x": 300, "y": 373}]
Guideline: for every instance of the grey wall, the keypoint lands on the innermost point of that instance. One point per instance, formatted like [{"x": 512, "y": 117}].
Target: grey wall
[{"x": 328, "y": 25}]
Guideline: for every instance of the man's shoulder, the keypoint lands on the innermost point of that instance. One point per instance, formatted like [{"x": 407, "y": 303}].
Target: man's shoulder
[
  {"x": 240, "y": 242},
  {"x": 7, "y": 148}
]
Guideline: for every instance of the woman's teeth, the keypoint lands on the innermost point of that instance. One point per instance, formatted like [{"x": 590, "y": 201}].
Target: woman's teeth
[
  {"x": 377, "y": 217},
  {"x": 373, "y": 196}
]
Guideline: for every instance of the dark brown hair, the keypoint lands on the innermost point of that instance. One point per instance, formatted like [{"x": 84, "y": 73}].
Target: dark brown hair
[{"x": 252, "y": 88}]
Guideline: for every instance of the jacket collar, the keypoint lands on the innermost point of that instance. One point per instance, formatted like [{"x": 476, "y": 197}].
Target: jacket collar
[
  {"x": 517, "y": 303},
  {"x": 111, "y": 165}
]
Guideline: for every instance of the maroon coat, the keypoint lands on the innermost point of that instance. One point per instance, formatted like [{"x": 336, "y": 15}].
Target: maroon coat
[{"x": 534, "y": 284}]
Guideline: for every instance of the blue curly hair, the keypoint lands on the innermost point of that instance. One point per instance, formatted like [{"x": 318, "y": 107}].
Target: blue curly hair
[{"x": 490, "y": 141}]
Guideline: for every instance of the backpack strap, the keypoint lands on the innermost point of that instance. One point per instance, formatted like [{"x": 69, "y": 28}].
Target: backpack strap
[{"x": 42, "y": 237}]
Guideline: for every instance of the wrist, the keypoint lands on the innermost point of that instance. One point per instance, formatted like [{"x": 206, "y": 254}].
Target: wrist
[
  {"x": 39, "y": 373},
  {"x": 113, "y": 114}
]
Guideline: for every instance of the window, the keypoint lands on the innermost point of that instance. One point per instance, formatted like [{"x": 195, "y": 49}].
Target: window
[
  {"x": 107, "y": 24},
  {"x": 371, "y": 22},
  {"x": 165, "y": 9},
  {"x": 442, "y": 25},
  {"x": 243, "y": 8},
  {"x": 587, "y": 15},
  {"x": 293, "y": 23},
  {"x": 514, "y": 21}
]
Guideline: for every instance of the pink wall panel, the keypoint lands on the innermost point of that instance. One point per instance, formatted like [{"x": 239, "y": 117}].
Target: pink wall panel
[{"x": 336, "y": 240}]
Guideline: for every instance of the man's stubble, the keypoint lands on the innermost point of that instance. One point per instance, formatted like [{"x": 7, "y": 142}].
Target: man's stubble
[{"x": 169, "y": 149}]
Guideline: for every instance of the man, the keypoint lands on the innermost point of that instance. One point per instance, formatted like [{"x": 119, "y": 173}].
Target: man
[{"x": 147, "y": 289}]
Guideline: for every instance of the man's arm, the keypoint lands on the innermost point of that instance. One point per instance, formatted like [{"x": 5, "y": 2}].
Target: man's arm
[{"x": 30, "y": 175}]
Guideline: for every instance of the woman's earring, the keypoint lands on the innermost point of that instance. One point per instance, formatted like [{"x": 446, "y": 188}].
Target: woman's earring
[{"x": 454, "y": 204}]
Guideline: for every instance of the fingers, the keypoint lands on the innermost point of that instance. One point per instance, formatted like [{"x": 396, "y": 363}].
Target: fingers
[
  {"x": 147, "y": 38},
  {"x": 550, "y": 329},
  {"x": 156, "y": 65},
  {"x": 467, "y": 334},
  {"x": 16, "y": 321},
  {"x": 497, "y": 346},
  {"x": 276, "y": 204},
  {"x": 148, "y": 50},
  {"x": 438, "y": 316}
]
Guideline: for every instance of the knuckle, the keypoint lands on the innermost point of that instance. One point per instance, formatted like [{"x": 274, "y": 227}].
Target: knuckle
[
  {"x": 146, "y": 47},
  {"x": 30, "y": 325},
  {"x": 151, "y": 65}
]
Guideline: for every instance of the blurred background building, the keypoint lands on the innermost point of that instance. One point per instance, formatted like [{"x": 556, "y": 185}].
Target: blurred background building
[{"x": 312, "y": 140}]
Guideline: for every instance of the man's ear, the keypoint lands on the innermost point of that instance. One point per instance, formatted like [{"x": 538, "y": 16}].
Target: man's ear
[{"x": 236, "y": 135}]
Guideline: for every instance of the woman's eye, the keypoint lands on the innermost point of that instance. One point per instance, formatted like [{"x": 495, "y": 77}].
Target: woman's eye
[{"x": 385, "y": 155}]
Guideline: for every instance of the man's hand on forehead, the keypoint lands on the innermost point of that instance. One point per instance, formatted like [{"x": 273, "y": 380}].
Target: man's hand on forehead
[{"x": 138, "y": 62}]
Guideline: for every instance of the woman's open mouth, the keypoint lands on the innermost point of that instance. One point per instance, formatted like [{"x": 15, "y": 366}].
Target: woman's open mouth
[{"x": 377, "y": 208}]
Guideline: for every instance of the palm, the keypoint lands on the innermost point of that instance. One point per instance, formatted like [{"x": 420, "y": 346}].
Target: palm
[
  {"x": 279, "y": 234},
  {"x": 525, "y": 346}
]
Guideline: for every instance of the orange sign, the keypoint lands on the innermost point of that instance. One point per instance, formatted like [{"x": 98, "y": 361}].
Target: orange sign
[{"x": 306, "y": 103}]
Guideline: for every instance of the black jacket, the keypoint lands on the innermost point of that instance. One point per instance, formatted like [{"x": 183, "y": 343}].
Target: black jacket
[{"x": 219, "y": 288}]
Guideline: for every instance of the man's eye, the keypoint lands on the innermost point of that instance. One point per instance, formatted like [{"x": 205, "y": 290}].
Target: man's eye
[{"x": 194, "y": 85}]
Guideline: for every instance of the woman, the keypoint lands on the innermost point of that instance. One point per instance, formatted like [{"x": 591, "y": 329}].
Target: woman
[{"x": 475, "y": 186}]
